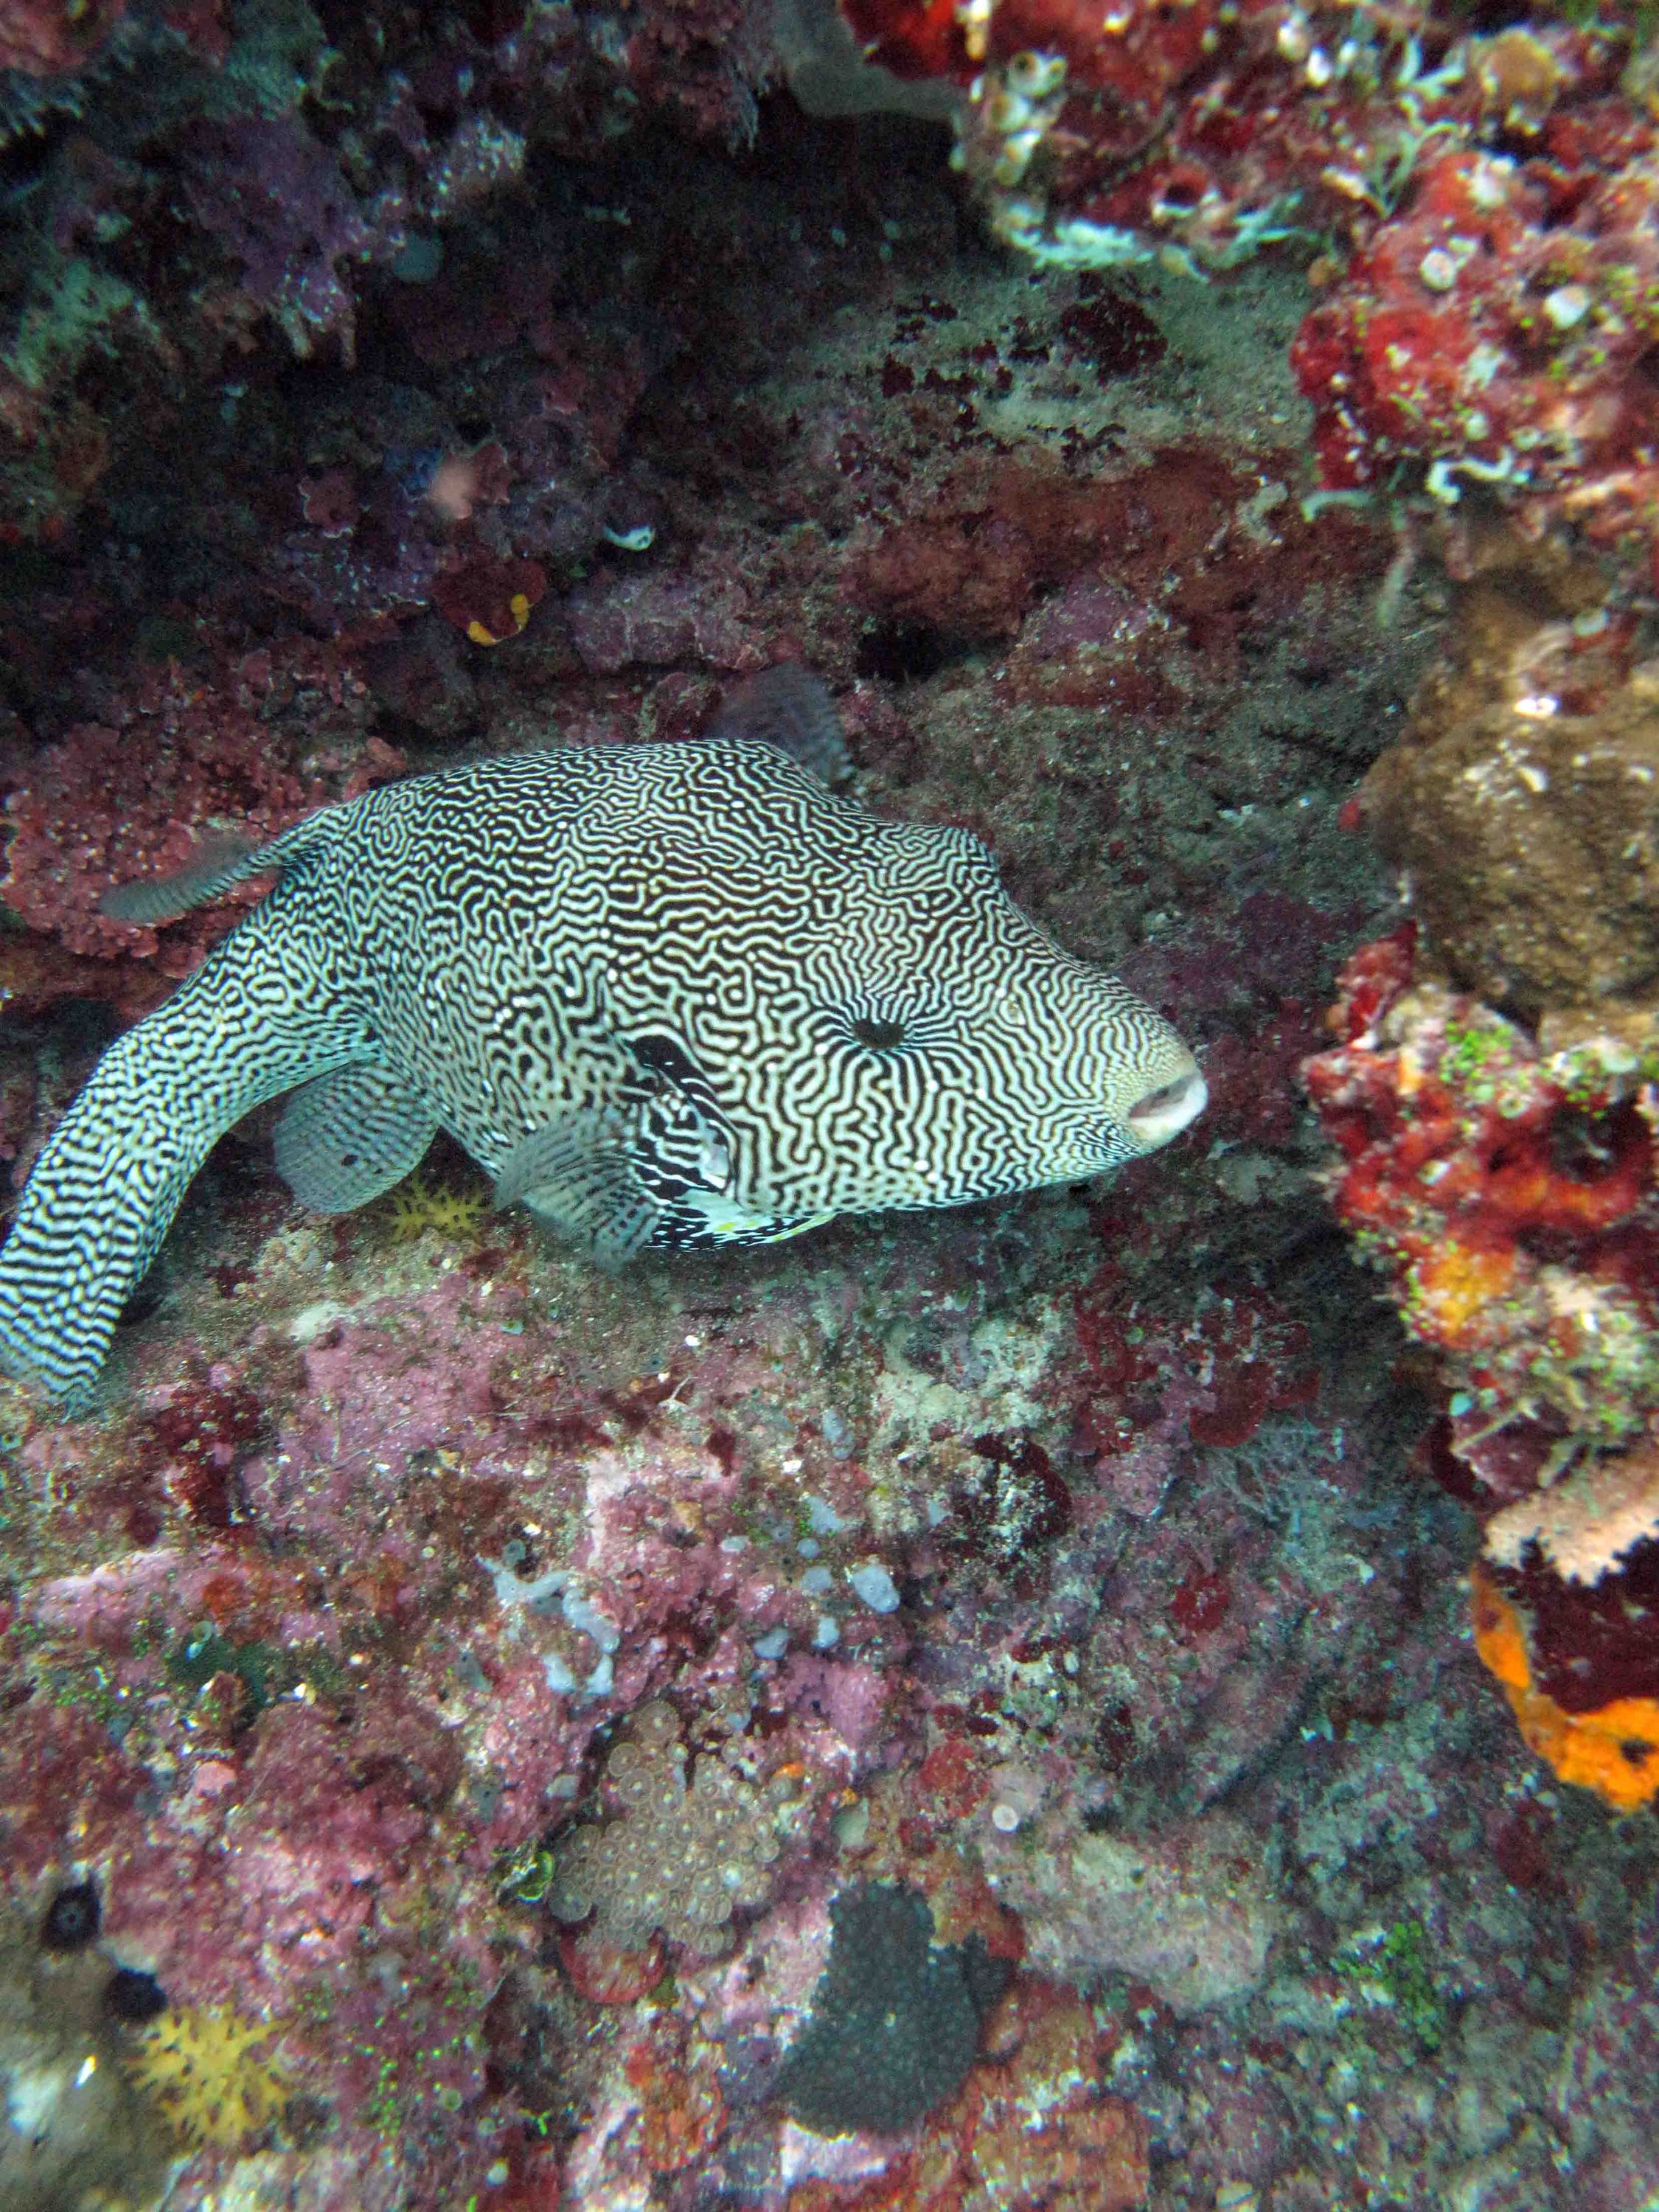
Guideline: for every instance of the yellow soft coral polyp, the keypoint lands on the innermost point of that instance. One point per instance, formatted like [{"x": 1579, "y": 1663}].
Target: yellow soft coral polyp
[
  {"x": 198, "y": 2068},
  {"x": 418, "y": 1205},
  {"x": 1613, "y": 1751}
]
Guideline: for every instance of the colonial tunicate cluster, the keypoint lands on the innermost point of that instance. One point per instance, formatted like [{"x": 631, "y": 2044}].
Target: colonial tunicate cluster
[
  {"x": 687, "y": 1849},
  {"x": 895, "y": 2023}
]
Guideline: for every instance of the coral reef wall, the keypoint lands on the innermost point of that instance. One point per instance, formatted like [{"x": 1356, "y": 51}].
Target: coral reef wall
[
  {"x": 1492, "y": 1097},
  {"x": 963, "y": 1710}
]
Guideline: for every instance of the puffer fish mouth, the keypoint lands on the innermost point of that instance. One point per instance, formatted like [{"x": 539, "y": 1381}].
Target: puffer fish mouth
[{"x": 1165, "y": 1112}]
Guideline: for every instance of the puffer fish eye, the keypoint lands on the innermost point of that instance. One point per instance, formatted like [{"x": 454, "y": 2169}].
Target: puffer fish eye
[
  {"x": 886, "y": 1021},
  {"x": 879, "y": 1034}
]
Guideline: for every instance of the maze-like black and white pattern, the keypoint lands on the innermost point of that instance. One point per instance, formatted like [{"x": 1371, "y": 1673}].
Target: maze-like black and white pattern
[{"x": 776, "y": 1006}]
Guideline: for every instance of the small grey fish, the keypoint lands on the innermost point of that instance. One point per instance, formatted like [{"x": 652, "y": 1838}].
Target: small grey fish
[{"x": 671, "y": 996}]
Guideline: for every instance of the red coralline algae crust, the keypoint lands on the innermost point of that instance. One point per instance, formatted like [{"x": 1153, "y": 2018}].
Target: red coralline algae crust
[
  {"x": 619, "y": 621},
  {"x": 489, "y": 600},
  {"x": 250, "y": 210},
  {"x": 415, "y": 1550},
  {"x": 1495, "y": 193},
  {"x": 1497, "y": 329},
  {"x": 1482, "y": 1178},
  {"x": 368, "y": 1737},
  {"x": 275, "y": 199},
  {"x": 1114, "y": 568},
  {"x": 1509, "y": 1199},
  {"x": 1211, "y": 128},
  {"x": 177, "y": 763},
  {"x": 1243, "y": 1359},
  {"x": 300, "y": 1858},
  {"x": 701, "y": 59},
  {"x": 1008, "y": 1545}
]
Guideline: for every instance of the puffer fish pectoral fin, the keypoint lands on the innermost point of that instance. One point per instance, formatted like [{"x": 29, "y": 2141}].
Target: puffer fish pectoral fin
[
  {"x": 148, "y": 901},
  {"x": 110, "y": 1178},
  {"x": 577, "y": 1174},
  {"x": 343, "y": 1139},
  {"x": 788, "y": 707}
]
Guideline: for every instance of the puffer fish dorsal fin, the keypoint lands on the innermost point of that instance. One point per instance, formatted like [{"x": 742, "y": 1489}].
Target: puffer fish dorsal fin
[
  {"x": 578, "y": 1175},
  {"x": 148, "y": 901},
  {"x": 345, "y": 1138},
  {"x": 788, "y": 707}
]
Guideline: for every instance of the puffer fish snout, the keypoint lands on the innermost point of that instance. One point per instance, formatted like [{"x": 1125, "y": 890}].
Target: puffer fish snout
[{"x": 1169, "y": 1107}]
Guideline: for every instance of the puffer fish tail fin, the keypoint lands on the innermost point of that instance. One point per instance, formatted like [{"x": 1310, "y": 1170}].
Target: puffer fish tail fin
[
  {"x": 788, "y": 707},
  {"x": 110, "y": 1177},
  {"x": 86, "y": 1233}
]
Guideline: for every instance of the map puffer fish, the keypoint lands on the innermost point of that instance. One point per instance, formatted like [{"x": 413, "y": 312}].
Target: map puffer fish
[{"x": 669, "y": 995}]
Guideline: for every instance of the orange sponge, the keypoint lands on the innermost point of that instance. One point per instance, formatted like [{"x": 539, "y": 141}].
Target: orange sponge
[{"x": 1613, "y": 1752}]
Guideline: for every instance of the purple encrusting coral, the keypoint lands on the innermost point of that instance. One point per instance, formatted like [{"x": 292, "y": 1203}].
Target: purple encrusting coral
[{"x": 495, "y": 1682}]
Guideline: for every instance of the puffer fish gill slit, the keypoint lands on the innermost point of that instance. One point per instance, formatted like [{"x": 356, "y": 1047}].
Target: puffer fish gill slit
[{"x": 669, "y": 996}]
